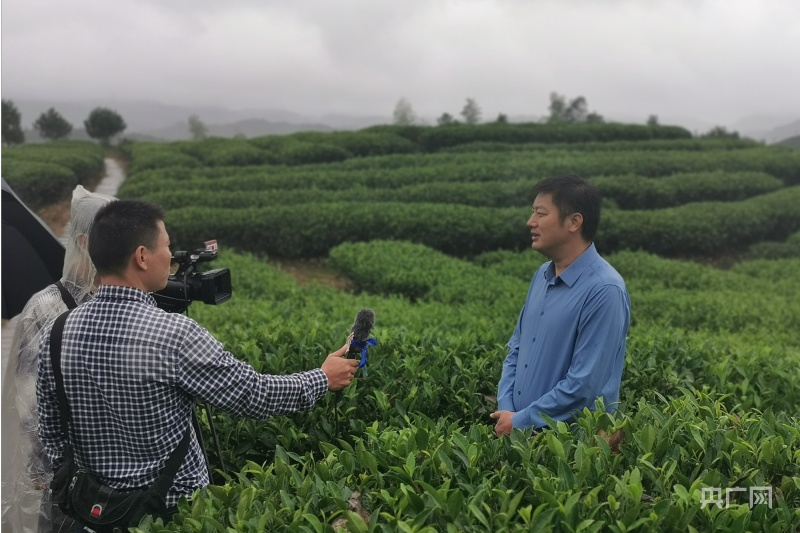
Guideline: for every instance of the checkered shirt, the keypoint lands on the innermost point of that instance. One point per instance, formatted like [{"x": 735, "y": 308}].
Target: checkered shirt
[{"x": 132, "y": 372}]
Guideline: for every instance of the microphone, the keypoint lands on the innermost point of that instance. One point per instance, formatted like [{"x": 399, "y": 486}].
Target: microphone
[{"x": 361, "y": 328}]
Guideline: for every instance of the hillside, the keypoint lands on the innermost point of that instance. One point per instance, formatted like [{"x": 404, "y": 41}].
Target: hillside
[
  {"x": 791, "y": 142},
  {"x": 788, "y": 130}
]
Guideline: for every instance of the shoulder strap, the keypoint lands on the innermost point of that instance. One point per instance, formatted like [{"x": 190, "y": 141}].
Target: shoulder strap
[
  {"x": 167, "y": 475},
  {"x": 55, "y": 359},
  {"x": 66, "y": 296},
  {"x": 175, "y": 460}
]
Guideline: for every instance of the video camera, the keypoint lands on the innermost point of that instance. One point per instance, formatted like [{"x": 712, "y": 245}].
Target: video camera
[{"x": 187, "y": 284}]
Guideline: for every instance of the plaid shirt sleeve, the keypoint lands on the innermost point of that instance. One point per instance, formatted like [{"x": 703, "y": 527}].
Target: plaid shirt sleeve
[{"x": 208, "y": 372}]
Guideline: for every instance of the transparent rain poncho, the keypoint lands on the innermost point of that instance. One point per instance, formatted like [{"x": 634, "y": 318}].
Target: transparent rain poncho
[{"x": 26, "y": 470}]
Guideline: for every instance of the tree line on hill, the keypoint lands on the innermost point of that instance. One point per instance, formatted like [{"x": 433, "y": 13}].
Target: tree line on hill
[
  {"x": 102, "y": 124},
  {"x": 560, "y": 111}
]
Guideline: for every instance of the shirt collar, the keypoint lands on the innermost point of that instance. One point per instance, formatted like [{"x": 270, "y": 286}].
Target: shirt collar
[
  {"x": 573, "y": 271},
  {"x": 117, "y": 292}
]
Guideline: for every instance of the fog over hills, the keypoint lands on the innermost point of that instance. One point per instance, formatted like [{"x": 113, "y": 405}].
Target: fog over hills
[
  {"x": 782, "y": 132},
  {"x": 315, "y": 64},
  {"x": 148, "y": 120}
]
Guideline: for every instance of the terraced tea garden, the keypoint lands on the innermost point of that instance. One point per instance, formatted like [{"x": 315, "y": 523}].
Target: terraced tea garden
[{"x": 427, "y": 228}]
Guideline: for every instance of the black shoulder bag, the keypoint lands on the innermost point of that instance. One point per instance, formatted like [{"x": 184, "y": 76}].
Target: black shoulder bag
[{"x": 79, "y": 493}]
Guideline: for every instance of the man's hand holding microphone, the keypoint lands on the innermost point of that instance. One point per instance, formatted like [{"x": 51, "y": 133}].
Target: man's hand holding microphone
[{"x": 339, "y": 369}]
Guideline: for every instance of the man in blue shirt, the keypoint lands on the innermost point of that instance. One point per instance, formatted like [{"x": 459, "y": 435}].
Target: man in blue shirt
[{"x": 568, "y": 348}]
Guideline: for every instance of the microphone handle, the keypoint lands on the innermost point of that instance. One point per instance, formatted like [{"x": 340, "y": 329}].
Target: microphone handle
[{"x": 353, "y": 352}]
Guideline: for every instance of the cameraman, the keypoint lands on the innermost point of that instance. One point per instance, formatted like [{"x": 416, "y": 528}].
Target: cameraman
[{"x": 133, "y": 371}]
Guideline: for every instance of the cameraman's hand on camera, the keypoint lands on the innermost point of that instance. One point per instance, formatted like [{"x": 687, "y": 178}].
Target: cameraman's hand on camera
[{"x": 339, "y": 369}]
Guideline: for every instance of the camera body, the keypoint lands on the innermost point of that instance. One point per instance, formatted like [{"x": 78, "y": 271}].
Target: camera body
[{"x": 188, "y": 284}]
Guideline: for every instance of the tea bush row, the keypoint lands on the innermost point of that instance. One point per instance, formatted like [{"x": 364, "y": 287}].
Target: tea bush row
[
  {"x": 312, "y": 229},
  {"x": 297, "y": 149},
  {"x": 356, "y": 144},
  {"x": 777, "y": 161},
  {"x": 627, "y": 192},
  {"x": 776, "y": 250},
  {"x": 637, "y": 192},
  {"x": 701, "y": 297},
  {"x": 43, "y": 174},
  {"x": 703, "y": 228},
  {"x": 650, "y": 272},
  {"x": 704, "y": 144},
  {"x": 433, "y": 139},
  {"x": 403, "y": 170},
  {"x": 319, "y": 147}
]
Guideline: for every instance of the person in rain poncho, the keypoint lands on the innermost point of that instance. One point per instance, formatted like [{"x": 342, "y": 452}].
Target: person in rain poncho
[{"x": 26, "y": 470}]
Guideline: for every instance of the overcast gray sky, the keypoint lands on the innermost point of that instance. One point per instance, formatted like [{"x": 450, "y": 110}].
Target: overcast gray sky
[{"x": 716, "y": 61}]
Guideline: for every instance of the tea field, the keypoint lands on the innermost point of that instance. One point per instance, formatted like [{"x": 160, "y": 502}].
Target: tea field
[
  {"x": 427, "y": 228},
  {"x": 710, "y": 396}
]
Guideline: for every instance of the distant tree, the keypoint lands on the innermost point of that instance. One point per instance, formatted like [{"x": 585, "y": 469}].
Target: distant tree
[
  {"x": 652, "y": 120},
  {"x": 594, "y": 118},
  {"x": 445, "y": 119},
  {"x": 12, "y": 130},
  {"x": 558, "y": 107},
  {"x": 51, "y": 125},
  {"x": 574, "y": 112},
  {"x": 471, "y": 112},
  {"x": 103, "y": 124},
  {"x": 197, "y": 128},
  {"x": 404, "y": 113},
  {"x": 502, "y": 118},
  {"x": 719, "y": 132}
]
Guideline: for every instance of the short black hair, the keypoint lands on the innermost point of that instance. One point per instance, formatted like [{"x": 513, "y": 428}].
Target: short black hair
[
  {"x": 574, "y": 194},
  {"x": 119, "y": 228}
]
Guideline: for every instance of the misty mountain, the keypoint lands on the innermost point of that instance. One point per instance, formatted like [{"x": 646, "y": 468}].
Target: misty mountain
[
  {"x": 341, "y": 121},
  {"x": 791, "y": 142},
  {"x": 158, "y": 121},
  {"x": 143, "y": 116},
  {"x": 165, "y": 120},
  {"x": 758, "y": 123},
  {"x": 248, "y": 128},
  {"x": 766, "y": 127},
  {"x": 783, "y": 132}
]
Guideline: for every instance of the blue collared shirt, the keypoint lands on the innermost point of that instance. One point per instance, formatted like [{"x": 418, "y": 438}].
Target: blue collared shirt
[{"x": 568, "y": 348}]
